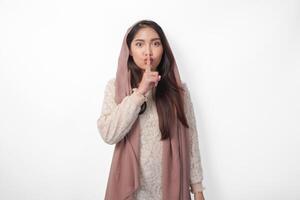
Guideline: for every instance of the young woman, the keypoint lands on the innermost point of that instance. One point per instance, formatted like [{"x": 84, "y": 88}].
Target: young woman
[{"x": 148, "y": 114}]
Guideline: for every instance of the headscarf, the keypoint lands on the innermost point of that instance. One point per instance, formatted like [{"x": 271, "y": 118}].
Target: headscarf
[{"x": 123, "y": 178}]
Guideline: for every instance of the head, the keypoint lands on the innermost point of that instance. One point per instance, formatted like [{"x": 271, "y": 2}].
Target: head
[
  {"x": 146, "y": 38},
  {"x": 146, "y": 42}
]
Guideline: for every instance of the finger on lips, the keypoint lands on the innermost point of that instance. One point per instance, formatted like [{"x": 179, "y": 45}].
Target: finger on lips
[
  {"x": 155, "y": 75},
  {"x": 148, "y": 65}
]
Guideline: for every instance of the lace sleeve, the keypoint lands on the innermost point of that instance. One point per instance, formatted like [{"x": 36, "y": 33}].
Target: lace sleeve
[
  {"x": 196, "y": 172},
  {"x": 116, "y": 120}
]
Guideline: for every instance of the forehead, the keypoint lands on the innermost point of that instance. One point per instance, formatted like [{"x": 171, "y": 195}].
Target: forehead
[{"x": 146, "y": 33}]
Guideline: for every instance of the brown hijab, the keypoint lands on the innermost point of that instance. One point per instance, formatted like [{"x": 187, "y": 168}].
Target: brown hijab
[{"x": 123, "y": 178}]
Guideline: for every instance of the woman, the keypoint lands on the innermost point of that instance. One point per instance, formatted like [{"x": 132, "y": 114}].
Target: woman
[{"x": 147, "y": 112}]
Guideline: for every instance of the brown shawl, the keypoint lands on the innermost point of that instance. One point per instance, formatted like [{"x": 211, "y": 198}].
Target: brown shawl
[{"x": 123, "y": 178}]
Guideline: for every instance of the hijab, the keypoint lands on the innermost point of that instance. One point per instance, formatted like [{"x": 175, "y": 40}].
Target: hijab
[{"x": 123, "y": 178}]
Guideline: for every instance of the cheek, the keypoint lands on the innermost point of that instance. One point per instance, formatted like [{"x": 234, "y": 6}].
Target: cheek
[
  {"x": 158, "y": 53},
  {"x": 136, "y": 54},
  {"x": 138, "y": 58}
]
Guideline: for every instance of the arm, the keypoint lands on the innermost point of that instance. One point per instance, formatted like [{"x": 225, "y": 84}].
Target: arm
[
  {"x": 116, "y": 120},
  {"x": 196, "y": 172}
]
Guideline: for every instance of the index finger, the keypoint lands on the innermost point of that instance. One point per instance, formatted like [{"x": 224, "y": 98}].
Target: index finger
[{"x": 148, "y": 65}]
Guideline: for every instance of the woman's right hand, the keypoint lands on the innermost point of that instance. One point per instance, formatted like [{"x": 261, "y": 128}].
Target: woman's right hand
[{"x": 149, "y": 80}]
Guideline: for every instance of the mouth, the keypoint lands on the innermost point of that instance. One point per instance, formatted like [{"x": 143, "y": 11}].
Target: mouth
[{"x": 151, "y": 60}]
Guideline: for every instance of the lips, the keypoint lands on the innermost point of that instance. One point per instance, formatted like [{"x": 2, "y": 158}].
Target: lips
[{"x": 151, "y": 60}]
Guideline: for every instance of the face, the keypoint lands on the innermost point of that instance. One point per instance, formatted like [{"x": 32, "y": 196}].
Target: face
[{"x": 145, "y": 43}]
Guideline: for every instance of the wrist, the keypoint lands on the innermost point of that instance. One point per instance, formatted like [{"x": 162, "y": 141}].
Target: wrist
[
  {"x": 135, "y": 90},
  {"x": 141, "y": 91}
]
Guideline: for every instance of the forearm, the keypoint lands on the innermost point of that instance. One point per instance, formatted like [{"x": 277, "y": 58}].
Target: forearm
[
  {"x": 115, "y": 123},
  {"x": 196, "y": 172}
]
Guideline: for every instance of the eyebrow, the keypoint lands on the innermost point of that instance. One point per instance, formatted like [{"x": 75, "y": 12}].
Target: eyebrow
[{"x": 144, "y": 40}]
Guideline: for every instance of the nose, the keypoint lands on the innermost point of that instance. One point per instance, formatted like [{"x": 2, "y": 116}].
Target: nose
[{"x": 148, "y": 50}]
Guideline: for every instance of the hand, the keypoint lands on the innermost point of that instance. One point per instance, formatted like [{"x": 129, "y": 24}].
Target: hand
[
  {"x": 198, "y": 196},
  {"x": 149, "y": 80}
]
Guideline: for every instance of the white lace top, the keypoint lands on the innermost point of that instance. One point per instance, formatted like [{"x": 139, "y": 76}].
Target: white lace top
[{"x": 116, "y": 120}]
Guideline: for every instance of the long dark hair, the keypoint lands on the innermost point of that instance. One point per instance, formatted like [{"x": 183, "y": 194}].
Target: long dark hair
[{"x": 168, "y": 92}]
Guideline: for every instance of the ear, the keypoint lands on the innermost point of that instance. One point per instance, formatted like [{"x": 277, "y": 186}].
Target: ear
[{"x": 130, "y": 53}]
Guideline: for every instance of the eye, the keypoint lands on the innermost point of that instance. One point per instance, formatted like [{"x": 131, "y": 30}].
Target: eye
[
  {"x": 138, "y": 44},
  {"x": 157, "y": 43}
]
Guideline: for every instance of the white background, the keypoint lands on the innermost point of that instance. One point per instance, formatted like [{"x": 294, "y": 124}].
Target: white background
[{"x": 240, "y": 59}]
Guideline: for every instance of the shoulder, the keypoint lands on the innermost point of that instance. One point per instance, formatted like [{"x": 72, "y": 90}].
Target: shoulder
[
  {"x": 110, "y": 84},
  {"x": 110, "y": 87},
  {"x": 185, "y": 88},
  {"x": 186, "y": 93},
  {"x": 184, "y": 85},
  {"x": 111, "y": 81}
]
